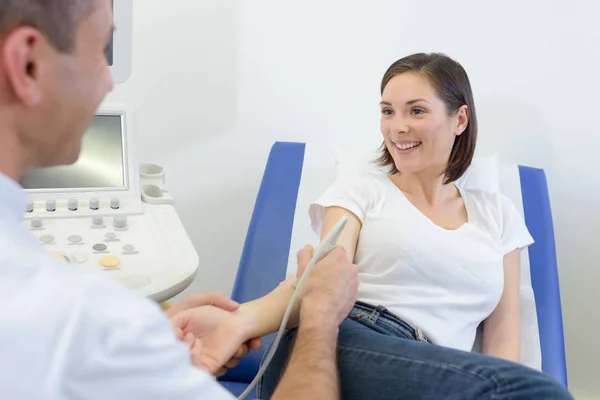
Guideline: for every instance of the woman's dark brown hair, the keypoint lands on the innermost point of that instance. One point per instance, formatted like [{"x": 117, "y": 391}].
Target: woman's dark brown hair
[{"x": 451, "y": 83}]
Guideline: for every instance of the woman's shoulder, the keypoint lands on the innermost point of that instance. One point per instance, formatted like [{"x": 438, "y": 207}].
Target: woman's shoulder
[
  {"x": 498, "y": 214},
  {"x": 487, "y": 205},
  {"x": 488, "y": 199},
  {"x": 369, "y": 178},
  {"x": 365, "y": 187},
  {"x": 485, "y": 197}
]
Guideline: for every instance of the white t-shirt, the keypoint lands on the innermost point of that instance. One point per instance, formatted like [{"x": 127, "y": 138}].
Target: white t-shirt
[
  {"x": 70, "y": 334},
  {"x": 445, "y": 282}
]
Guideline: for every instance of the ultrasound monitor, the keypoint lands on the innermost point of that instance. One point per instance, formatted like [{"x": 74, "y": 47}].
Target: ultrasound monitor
[
  {"x": 101, "y": 165},
  {"x": 107, "y": 213},
  {"x": 118, "y": 51},
  {"x": 105, "y": 177}
]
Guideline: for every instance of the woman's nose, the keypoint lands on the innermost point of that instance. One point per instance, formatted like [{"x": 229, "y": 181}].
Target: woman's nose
[{"x": 399, "y": 125}]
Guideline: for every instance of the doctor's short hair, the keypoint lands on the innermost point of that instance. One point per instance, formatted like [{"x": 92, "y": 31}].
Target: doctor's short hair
[
  {"x": 451, "y": 83},
  {"x": 58, "y": 20}
]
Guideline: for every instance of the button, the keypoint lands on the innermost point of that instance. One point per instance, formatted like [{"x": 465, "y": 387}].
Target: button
[
  {"x": 72, "y": 204},
  {"x": 115, "y": 203},
  {"x": 110, "y": 235},
  {"x": 99, "y": 247},
  {"x": 94, "y": 203},
  {"x": 51, "y": 205},
  {"x": 47, "y": 239},
  {"x": 29, "y": 206},
  {"x": 97, "y": 221},
  {"x": 36, "y": 222},
  {"x": 109, "y": 261},
  {"x": 135, "y": 281},
  {"x": 59, "y": 256},
  {"x": 80, "y": 258},
  {"x": 75, "y": 239},
  {"x": 120, "y": 221},
  {"x": 128, "y": 247}
]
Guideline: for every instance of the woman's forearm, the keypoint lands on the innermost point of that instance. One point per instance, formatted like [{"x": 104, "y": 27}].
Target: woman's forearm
[
  {"x": 264, "y": 315},
  {"x": 509, "y": 350}
]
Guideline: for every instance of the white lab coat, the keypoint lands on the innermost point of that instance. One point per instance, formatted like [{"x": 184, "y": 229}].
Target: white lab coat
[{"x": 66, "y": 333}]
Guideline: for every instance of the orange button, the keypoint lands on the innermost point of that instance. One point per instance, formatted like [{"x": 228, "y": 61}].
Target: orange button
[
  {"x": 59, "y": 256},
  {"x": 110, "y": 261}
]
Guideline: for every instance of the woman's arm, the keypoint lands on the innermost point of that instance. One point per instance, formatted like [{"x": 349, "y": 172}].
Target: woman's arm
[
  {"x": 502, "y": 329},
  {"x": 267, "y": 312},
  {"x": 349, "y": 237}
]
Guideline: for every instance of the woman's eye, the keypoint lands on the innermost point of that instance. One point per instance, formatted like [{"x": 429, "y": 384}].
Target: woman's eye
[
  {"x": 418, "y": 111},
  {"x": 387, "y": 111}
]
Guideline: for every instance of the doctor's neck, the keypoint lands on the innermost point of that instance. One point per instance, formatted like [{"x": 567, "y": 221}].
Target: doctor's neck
[{"x": 13, "y": 154}]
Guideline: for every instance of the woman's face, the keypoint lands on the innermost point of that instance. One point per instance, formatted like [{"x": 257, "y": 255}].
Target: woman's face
[{"x": 416, "y": 127}]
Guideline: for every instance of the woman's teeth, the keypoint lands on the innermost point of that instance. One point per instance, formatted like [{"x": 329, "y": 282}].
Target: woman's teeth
[{"x": 407, "y": 146}]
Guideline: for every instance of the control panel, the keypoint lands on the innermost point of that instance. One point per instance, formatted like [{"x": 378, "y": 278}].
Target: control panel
[{"x": 125, "y": 227}]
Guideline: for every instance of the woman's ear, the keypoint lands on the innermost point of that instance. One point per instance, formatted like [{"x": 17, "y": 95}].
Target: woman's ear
[{"x": 462, "y": 119}]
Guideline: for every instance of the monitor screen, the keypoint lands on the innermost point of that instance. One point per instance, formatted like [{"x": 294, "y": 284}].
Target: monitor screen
[{"x": 100, "y": 165}]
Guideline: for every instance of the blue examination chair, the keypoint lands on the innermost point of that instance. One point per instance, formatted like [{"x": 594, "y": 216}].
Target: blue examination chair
[{"x": 280, "y": 212}]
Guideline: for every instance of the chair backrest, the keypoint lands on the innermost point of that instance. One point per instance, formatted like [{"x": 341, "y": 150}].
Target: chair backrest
[
  {"x": 266, "y": 250},
  {"x": 544, "y": 271},
  {"x": 279, "y": 227}
]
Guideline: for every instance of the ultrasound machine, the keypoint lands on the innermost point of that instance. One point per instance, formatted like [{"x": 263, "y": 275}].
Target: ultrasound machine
[{"x": 107, "y": 212}]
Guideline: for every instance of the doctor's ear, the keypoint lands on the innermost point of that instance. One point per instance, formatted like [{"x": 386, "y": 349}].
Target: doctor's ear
[
  {"x": 24, "y": 51},
  {"x": 462, "y": 119}
]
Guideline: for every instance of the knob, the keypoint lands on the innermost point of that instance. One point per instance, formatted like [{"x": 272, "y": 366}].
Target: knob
[
  {"x": 94, "y": 203},
  {"x": 120, "y": 221},
  {"x": 36, "y": 222},
  {"x": 115, "y": 203},
  {"x": 97, "y": 221},
  {"x": 51, "y": 205},
  {"x": 73, "y": 204},
  {"x": 29, "y": 206}
]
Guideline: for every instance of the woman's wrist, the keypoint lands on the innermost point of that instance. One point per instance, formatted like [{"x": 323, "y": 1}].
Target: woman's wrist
[{"x": 263, "y": 316}]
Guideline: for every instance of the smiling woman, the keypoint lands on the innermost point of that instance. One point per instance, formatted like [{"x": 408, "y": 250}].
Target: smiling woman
[{"x": 435, "y": 259}]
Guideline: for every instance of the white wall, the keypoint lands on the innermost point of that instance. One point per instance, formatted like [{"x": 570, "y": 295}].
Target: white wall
[{"x": 216, "y": 82}]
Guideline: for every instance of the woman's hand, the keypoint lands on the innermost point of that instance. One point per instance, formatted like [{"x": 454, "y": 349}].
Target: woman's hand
[
  {"x": 203, "y": 299},
  {"x": 222, "y": 302},
  {"x": 222, "y": 335}
]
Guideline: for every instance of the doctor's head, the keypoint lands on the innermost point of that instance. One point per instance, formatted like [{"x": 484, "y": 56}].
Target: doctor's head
[
  {"x": 53, "y": 76},
  {"x": 428, "y": 118}
]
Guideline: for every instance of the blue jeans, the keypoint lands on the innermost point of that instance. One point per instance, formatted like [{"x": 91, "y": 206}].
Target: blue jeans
[{"x": 381, "y": 357}]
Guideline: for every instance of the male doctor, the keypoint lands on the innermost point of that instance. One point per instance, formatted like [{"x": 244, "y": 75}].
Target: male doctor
[{"x": 70, "y": 334}]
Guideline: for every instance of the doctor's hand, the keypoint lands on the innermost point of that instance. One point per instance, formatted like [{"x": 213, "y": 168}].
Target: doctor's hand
[
  {"x": 332, "y": 287},
  {"x": 221, "y": 333}
]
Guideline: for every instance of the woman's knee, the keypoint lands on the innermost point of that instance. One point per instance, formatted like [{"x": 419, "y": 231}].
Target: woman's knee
[
  {"x": 516, "y": 381},
  {"x": 369, "y": 359},
  {"x": 371, "y": 362}
]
